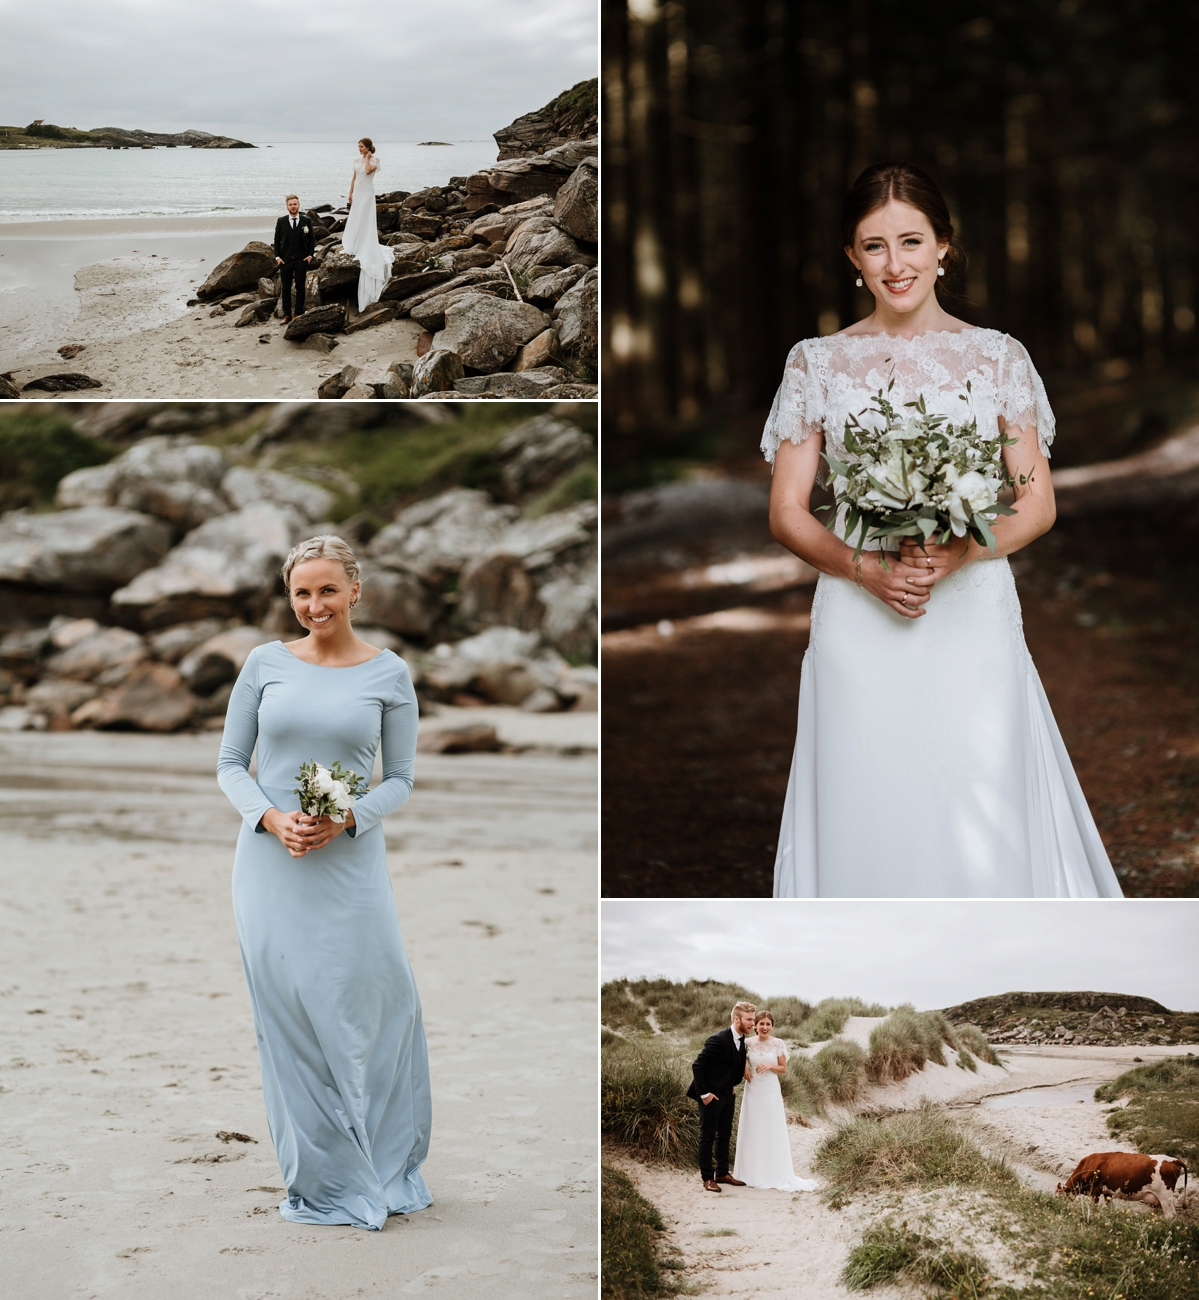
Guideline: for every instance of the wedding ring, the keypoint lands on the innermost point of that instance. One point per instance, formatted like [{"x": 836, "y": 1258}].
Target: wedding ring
[{"x": 905, "y": 600}]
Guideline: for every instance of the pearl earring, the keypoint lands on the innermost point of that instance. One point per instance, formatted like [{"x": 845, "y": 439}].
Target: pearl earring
[
  {"x": 858, "y": 281},
  {"x": 940, "y": 269}
]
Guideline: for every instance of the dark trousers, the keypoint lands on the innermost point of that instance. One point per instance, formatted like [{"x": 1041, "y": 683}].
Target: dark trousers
[
  {"x": 715, "y": 1129},
  {"x": 293, "y": 271}
]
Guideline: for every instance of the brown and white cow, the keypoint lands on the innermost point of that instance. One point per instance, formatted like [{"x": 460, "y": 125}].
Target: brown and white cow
[{"x": 1151, "y": 1179}]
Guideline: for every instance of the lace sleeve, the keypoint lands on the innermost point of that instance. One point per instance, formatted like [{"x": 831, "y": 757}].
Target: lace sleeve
[
  {"x": 798, "y": 408},
  {"x": 1022, "y": 398},
  {"x": 782, "y": 1049}
]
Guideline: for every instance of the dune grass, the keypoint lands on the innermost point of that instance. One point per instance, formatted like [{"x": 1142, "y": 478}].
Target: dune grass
[
  {"x": 1162, "y": 1115},
  {"x": 630, "y": 1253},
  {"x": 905, "y": 1042},
  {"x": 920, "y": 1147},
  {"x": 890, "y": 1253},
  {"x": 841, "y": 1066},
  {"x": 974, "y": 1041},
  {"x": 644, "y": 1105}
]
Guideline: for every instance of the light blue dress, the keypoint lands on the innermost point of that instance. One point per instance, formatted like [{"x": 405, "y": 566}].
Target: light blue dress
[{"x": 345, "y": 1072}]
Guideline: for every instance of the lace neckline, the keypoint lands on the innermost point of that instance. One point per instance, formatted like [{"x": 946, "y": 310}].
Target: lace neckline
[{"x": 892, "y": 339}]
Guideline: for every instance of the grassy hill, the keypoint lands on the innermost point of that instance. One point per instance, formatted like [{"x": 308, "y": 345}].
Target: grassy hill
[
  {"x": 1079, "y": 1017},
  {"x": 45, "y": 135}
]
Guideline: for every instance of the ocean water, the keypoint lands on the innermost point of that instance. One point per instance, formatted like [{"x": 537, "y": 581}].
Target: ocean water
[{"x": 60, "y": 184}]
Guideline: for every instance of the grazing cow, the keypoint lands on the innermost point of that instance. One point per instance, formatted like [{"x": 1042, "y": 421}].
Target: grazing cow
[{"x": 1150, "y": 1179}]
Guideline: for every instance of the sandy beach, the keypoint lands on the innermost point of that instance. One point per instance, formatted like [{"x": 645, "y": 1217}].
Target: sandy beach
[
  {"x": 128, "y": 1043},
  {"x": 755, "y": 1243}
]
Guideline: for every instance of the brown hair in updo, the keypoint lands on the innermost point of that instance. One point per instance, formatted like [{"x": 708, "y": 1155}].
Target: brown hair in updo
[
  {"x": 370, "y": 144},
  {"x": 878, "y": 185},
  {"x": 763, "y": 1015}
]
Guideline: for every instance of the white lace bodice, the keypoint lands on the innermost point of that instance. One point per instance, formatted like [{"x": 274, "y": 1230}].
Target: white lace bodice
[
  {"x": 362, "y": 176},
  {"x": 768, "y": 1052},
  {"x": 827, "y": 379}
]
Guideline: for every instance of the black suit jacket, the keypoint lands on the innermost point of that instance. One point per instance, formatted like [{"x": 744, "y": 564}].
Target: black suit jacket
[
  {"x": 294, "y": 245},
  {"x": 719, "y": 1067}
]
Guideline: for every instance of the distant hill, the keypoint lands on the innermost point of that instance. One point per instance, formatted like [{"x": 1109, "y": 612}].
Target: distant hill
[
  {"x": 45, "y": 135},
  {"x": 1077, "y": 1017}
]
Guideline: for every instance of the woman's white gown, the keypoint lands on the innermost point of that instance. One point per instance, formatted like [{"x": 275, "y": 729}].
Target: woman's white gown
[
  {"x": 361, "y": 238},
  {"x": 763, "y": 1147},
  {"x": 927, "y": 762}
]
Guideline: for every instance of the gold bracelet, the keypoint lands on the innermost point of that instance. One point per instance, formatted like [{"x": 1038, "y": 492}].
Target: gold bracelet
[{"x": 857, "y": 568}]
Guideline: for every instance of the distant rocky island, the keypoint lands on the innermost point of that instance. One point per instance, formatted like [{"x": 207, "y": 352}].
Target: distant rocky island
[{"x": 45, "y": 135}]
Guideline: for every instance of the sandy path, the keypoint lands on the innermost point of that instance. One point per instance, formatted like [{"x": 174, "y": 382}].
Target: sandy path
[
  {"x": 793, "y": 1245},
  {"x": 189, "y": 353},
  {"x": 126, "y": 1040}
]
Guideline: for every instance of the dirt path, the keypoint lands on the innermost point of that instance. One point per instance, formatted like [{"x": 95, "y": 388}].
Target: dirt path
[
  {"x": 126, "y": 1041},
  {"x": 752, "y": 1243}
]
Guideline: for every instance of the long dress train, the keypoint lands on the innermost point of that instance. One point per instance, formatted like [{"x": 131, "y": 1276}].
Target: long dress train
[
  {"x": 927, "y": 761},
  {"x": 360, "y": 238},
  {"x": 341, "y": 1043},
  {"x": 763, "y": 1147}
]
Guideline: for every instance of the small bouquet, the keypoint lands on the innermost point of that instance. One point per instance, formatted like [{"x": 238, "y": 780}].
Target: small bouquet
[
  {"x": 919, "y": 476},
  {"x": 328, "y": 792}
]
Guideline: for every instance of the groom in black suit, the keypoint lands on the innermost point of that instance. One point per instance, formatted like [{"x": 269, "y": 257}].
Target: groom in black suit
[
  {"x": 716, "y": 1072},
  {"x": 294, "y": 244}
]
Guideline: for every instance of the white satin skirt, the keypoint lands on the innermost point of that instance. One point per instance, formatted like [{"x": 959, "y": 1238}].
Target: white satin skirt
[{"x": 927, "y": 762}]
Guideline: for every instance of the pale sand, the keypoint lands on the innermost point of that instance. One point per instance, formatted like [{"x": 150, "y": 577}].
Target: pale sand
[
  {"x": 793, "y": 1245},
  {"x": 128, "y": 1042}
]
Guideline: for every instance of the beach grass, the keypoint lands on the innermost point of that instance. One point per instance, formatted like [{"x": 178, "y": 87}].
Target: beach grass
[
  {"x": 892, "y": 1253},
  {"x": 37, "y": 448},
  {"x": 1162, "y": 1114},
  {"x": 841, "y": 1066},
  {"x": 975, "y": 1042},
  {"x": 644, "y": 1105},
  {"x": 905, "y": 1042},
  {"x": 630, "y": 1254},
  {"x": 920, "y": 1147}
]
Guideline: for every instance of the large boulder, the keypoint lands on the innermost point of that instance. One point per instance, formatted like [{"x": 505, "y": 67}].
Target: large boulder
[
  {"x": 529, "y": 383},
  {"x": 577, "y": 314},
  {"x": 242, "y": 486},
  {"x": 172, "y": 477},
  {"x": 406, "y": 283},
  {"x": 429, "y": 314},
  {"x": 397, "y": 600},
  {"x": 226, "y": 567},
  {"x": 549, "y": 287},
  {"x": 571, "y": 622},
  {"x": 538, "y": 452},
  {"x": 153, "y": 698},
  {"x": 107, "y": 655},
  {"x": 487, "y": 332},
  {"x": 92, "y": 549},
  {"x": 515, "y": 181},
  {"x": 219, "y": 659},
  {"x": 571, "y": 116},
  {"x": 57, "y": 699},
  {"x": 436, "y": 372},
  {"x": 435, "y": 538},
  {"x": 539, "y": 242},
  {"x": 495, "y": 227},
  {"x": 172, "y": 643},
  {"x": 240, "y": 271},
  {"x": 329, "y": 319},
  {"x": 338, "y": 271},
  {"x": 576, "y": 207}
]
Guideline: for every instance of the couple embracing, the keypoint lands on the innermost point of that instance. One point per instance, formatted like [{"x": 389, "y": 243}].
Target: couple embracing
[{"x": 749, "y": 1051}]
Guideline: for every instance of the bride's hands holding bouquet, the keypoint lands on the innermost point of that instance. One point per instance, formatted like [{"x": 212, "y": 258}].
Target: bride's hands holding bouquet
[
  {"x": 934, "y": 561},
  {"x": 903, "y": 586}
]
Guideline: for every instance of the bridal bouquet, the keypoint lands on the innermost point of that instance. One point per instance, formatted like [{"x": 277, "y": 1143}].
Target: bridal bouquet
[
  {"x": 919, "y": 476},
  {"x": 328, "y": 792}
]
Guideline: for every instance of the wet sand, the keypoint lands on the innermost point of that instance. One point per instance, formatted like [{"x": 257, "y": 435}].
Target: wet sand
[{"x": 126, "y": 1042}]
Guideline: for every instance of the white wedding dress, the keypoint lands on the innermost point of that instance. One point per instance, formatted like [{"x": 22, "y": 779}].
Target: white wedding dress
[
  {"x": 927, "y": 762},
  {"x": 361, "y": 237},
  {"x": 763, "y": 1147}
]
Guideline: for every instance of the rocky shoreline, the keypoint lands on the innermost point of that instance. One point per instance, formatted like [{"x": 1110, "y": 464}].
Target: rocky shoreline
[
  {"x": 498, "y": 271},
  {"x": 44, "y": 135},
  {"x": 134, "y": 603}
]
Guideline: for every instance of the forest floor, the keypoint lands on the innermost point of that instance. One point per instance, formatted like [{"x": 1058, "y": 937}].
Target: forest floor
[
  {"x": 127, "y": 1045},
  {"x": 701, "y": 685}
]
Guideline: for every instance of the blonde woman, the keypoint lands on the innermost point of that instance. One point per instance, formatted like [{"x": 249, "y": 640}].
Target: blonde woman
[
  {"x": 763, "y": 1146},
  {"x": 361, "y": 236},
  {"x": 341, "y": 1044}
]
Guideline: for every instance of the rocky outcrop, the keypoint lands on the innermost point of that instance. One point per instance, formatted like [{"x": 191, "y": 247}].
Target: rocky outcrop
[
  {"x": 576, "y": 209},
  {"x": 436, "y": 372},
  {"x": 239, "y": 272},
  {"x": 572, "y": 115},
  {"x": 71, "y": 382},
  {"x": 488, "y": 332},
  {"x": 219, "y": 659},
  {"x": 435, "y": 538},
  {"x": 577, "y": 315},
  {"x": 96, "y": 548}
]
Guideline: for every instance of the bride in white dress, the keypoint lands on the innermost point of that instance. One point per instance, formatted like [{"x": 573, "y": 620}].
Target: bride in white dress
[
  {"x": 927, "y": 761},
  {"x": 763, "y": 1147},
  {"x": 361, "y": 236}
]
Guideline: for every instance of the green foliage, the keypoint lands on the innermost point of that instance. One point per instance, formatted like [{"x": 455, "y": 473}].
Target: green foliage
[
  {"x": 910, "y": 1148},
  {"x": 698, "y": 1006},
  {"x": 578, "y": 484},
  {"x": 841, "y": 1066},
  {"x": 896, "y": 1253},
  {"x": 974, "y": 1040},
  {"x": 1162, "y": 1114},
  {"x": 805, "y": 1088},
  {"x": 48, "y": 131},
  {"x": 37, "y": 448},
  {"x": 831, "y": 1014},
  {"x": 644, "y": 1105},
  {"x": 905, "y": 1042},
  {"x": 967, "y": 1062},
  {"x": 629, "y": 1252}
]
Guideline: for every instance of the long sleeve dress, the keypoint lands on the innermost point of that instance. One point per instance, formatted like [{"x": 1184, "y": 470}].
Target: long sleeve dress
[
  {"x": 345, "y": 1073},
  {"x": 927, "y": 760}
]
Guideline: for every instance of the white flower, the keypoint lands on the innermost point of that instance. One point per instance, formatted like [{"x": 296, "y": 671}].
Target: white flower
[
  {"x": 323, "y": 781},
  {"x": 975, "y": 490}
]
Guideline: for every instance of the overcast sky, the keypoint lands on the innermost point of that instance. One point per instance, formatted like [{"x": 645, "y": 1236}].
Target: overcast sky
[
  {"x": 932, "y": 954},
  {"x": 279, "y": 70}
]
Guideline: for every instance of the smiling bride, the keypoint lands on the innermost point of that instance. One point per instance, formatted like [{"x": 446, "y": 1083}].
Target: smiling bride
[{"x": 927, "y": 761}]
